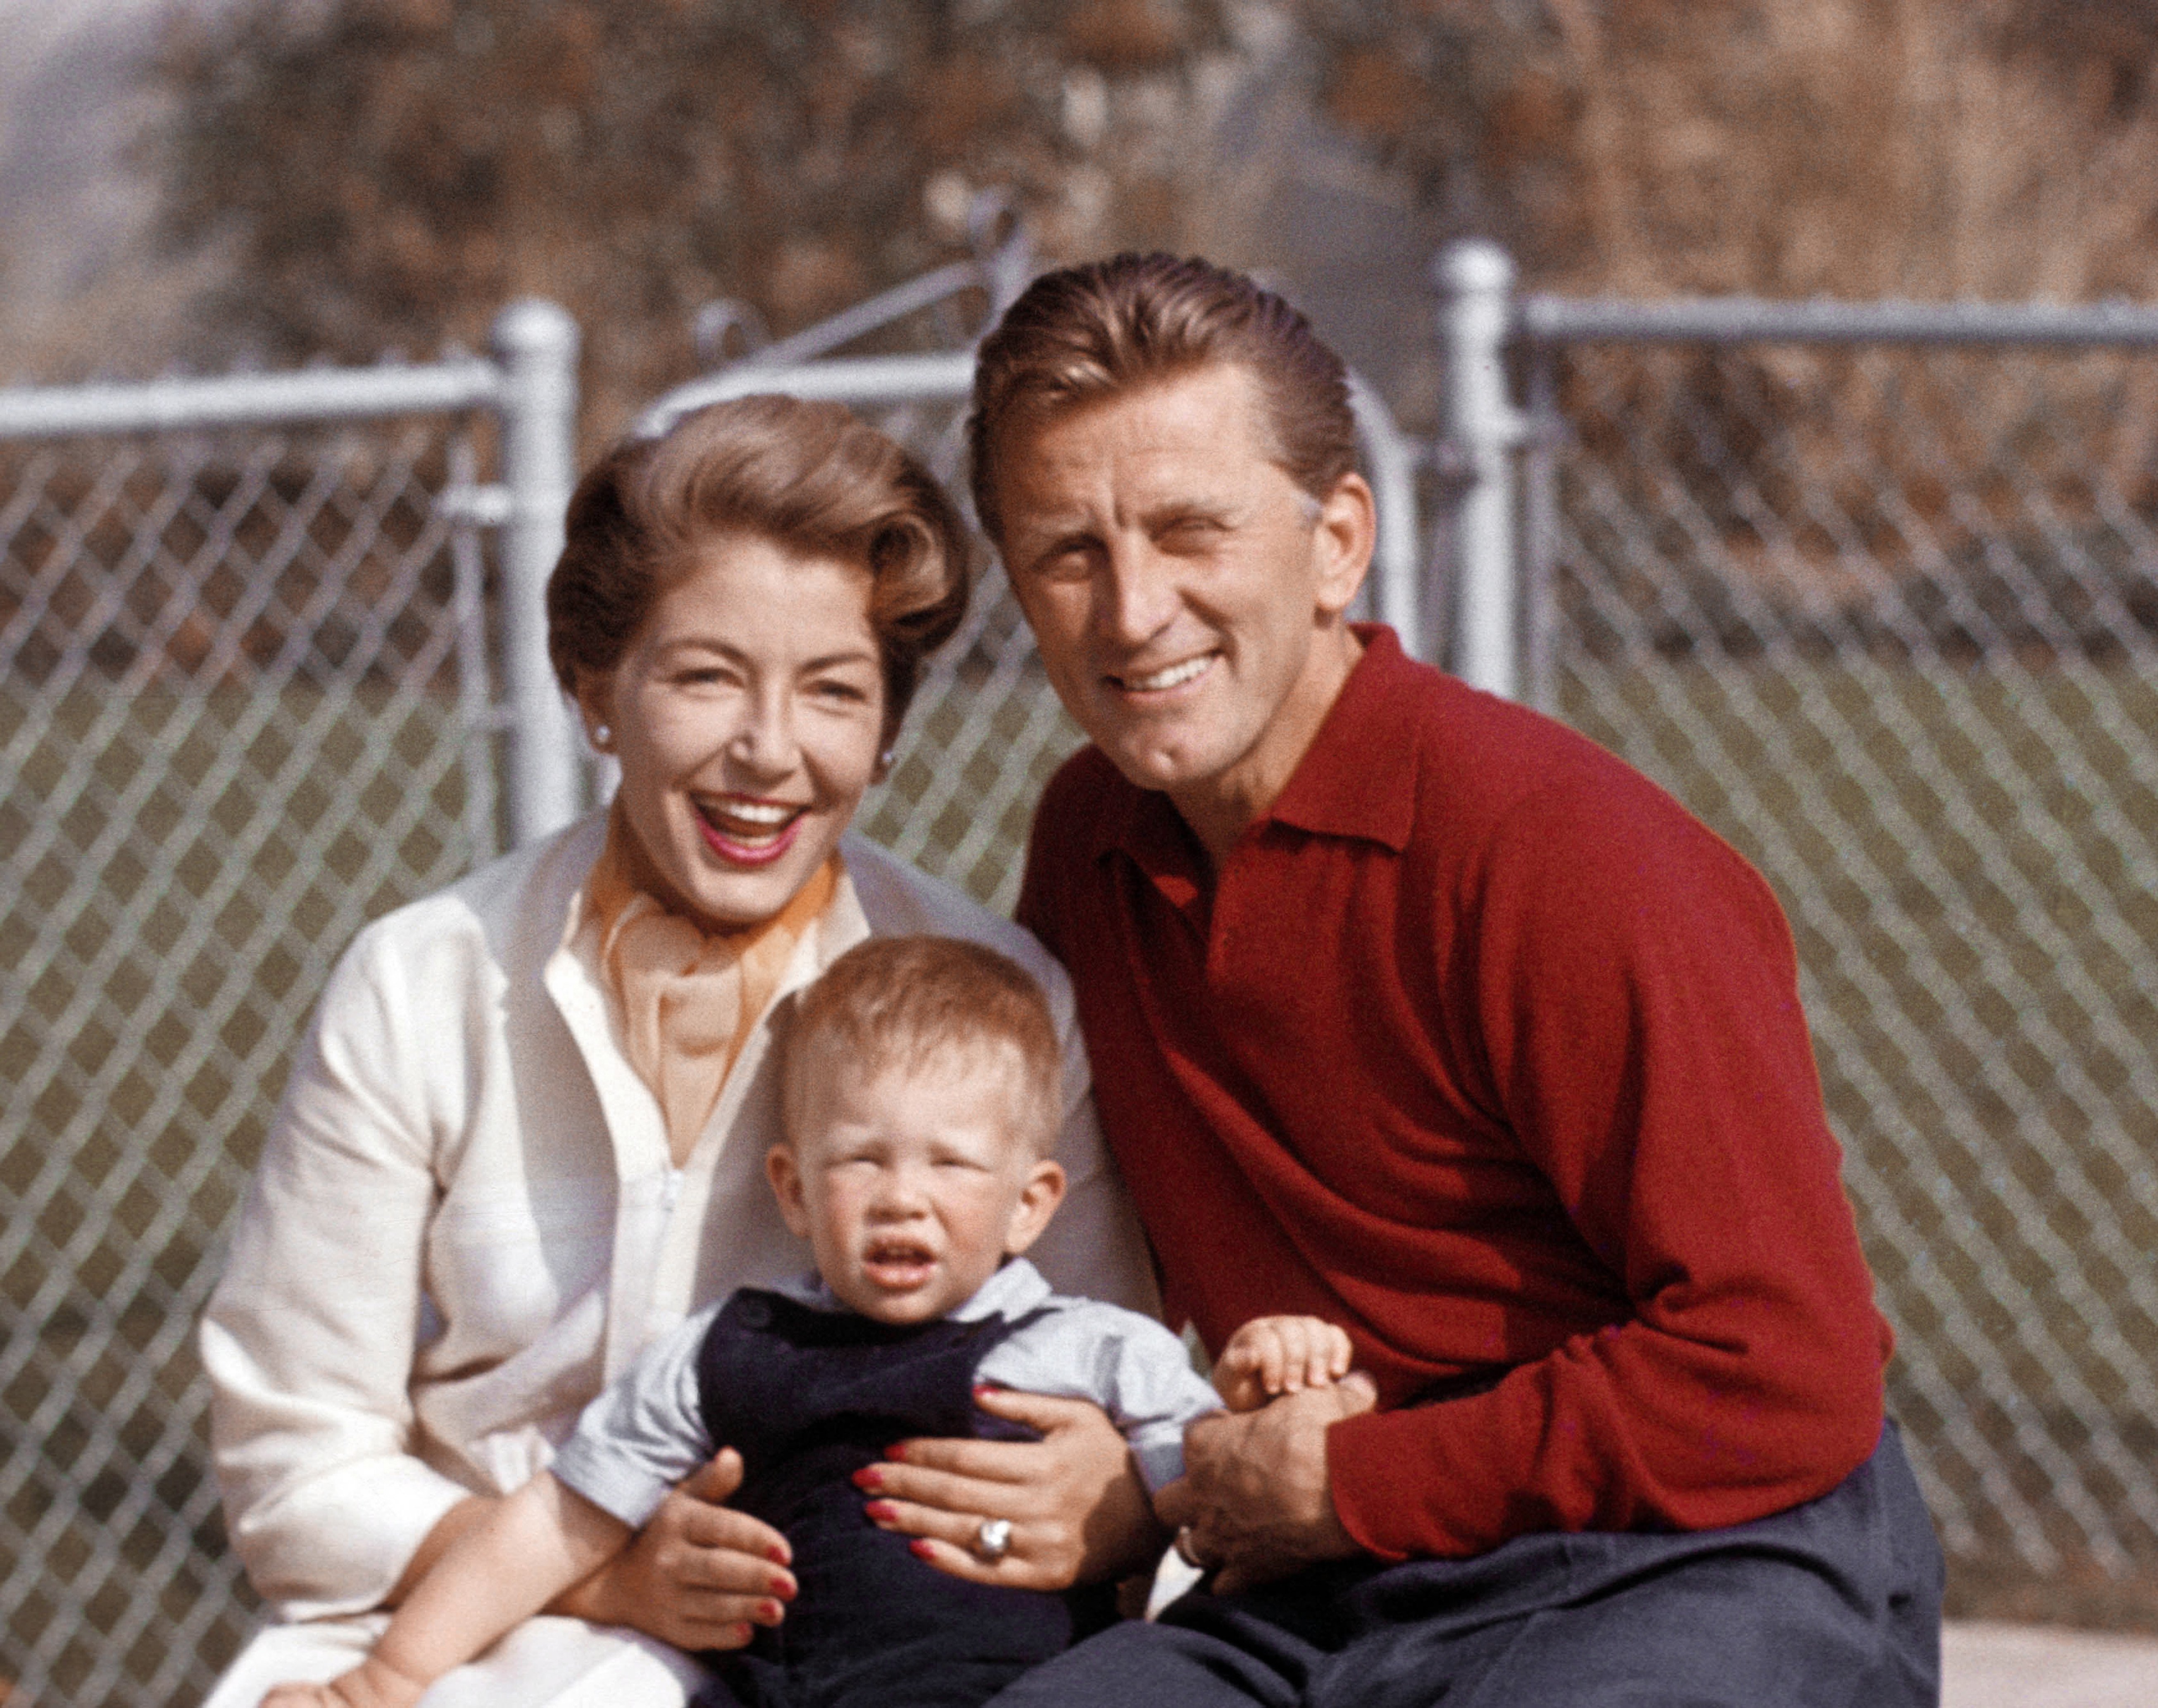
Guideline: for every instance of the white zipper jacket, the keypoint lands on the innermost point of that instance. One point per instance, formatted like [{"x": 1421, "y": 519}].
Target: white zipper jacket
[{"x": 466, "y": 1220}]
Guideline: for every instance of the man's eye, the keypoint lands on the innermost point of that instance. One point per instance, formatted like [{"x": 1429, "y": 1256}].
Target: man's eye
[
  {"x": 1191, "y": 533},
  {"x": 1066, "y": 563}
]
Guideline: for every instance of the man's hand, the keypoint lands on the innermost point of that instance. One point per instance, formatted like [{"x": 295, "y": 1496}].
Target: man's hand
[
  {"x": 1254, "y": 1497},
  {"x": 700, "y": 1575},
  {"x": 1078, "y": 1509},
  {"x": 1270, "y": 1356}
]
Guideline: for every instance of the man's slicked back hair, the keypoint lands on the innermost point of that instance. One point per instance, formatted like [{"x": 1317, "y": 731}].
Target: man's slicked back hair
[{"x": 1113, "y": 326}]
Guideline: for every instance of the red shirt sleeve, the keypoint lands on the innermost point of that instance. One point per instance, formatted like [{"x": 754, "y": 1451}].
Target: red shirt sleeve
[{"x": 1634, "y": 990}]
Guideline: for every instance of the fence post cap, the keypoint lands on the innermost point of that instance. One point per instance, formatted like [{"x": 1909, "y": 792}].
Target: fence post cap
[
  {"x": 533, "y": 325},
  {"x": 1472, "y": 264}
]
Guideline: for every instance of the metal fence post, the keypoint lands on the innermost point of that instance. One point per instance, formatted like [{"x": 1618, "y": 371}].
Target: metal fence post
[
  {"x": 536, "y": 343},
  {"x": 1475, "y": 278}
]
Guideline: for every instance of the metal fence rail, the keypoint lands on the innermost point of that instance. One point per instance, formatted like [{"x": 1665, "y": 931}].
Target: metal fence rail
[
  {"x": 1874, "y": 590},
  {"x": 246, "y": 702}
]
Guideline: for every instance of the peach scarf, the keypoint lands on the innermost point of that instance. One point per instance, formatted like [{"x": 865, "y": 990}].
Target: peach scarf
[{"x": 688, "y": 999}]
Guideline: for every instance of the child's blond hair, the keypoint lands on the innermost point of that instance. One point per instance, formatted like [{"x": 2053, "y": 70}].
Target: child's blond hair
[{"x": 892, "y": 1002}]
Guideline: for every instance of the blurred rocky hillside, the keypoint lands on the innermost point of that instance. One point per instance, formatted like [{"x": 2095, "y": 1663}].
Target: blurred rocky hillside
[{"x": 340, "y": 177}]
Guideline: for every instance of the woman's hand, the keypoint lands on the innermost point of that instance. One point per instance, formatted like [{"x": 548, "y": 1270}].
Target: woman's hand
[
  {"x": 700, "y": 1575},
  {"x": 1078, "y": 1511}
]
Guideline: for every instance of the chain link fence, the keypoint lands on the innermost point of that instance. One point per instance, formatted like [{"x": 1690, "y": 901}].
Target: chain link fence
[
  {"x": 1887, "y": 616},
  {"x": 245, "y": 708},
  {"x": 1883, "y": 618}
]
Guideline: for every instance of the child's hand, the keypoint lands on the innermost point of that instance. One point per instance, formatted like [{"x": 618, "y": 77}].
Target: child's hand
[
  {"x": 370, "y": 1684},
  {"x": 1271, "y": 1356},
  {"x": 303, "y": 1696}
]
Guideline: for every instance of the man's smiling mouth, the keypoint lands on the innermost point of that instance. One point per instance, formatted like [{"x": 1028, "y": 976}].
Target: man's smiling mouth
[{"x": 1171, "y": 676}]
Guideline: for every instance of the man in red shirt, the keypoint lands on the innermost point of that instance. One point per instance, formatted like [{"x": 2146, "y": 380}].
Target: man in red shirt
[{"x": 1411, "y": 1009}]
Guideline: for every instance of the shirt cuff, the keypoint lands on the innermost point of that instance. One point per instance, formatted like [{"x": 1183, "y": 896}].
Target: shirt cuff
[
  {"x": 611, "y": 1484},
  {"x": 1159, "y": 1453}
]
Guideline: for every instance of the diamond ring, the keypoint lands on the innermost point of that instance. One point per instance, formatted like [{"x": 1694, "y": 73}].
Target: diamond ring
[{"x": 993, "y": 1539}]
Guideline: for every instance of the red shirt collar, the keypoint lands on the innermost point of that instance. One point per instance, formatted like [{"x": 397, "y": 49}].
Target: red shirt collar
[{"x": 1357, "y": 778}]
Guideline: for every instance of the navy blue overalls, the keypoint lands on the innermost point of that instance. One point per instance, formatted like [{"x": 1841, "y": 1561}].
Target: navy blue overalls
[{"x": 809, "y": 1397}]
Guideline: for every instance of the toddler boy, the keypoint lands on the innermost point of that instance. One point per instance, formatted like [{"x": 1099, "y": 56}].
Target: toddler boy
[{"x": 920, "y": 1094}]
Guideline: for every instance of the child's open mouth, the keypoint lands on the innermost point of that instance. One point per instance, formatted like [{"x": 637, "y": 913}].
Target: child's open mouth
[
  {"x": 746, "y": 831},
  {"x": 898, "y": 1265}
]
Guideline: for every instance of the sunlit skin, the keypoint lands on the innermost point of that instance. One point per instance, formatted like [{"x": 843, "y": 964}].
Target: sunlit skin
[
  {"x": 1187, "y": 595},
  {"x": 914, "y": 1181},
  {"x": 746, "y": 715}
]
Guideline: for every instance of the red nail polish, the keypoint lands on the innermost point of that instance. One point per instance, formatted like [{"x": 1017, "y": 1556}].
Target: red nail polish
[
  {"x": 779, "y": 1555},
  {"x": 920, "y": 1550},
  {"x": 982, "y": 1388},
  {"x": 770, "y": 1612},
  {"x": 742, "y": 1634},
  {"x": 881, "y": 1511},
  {"x": 896, "y": 1452},
  {"x": 869, "y": 1478},
  {"x": 785, "y": 1590}
]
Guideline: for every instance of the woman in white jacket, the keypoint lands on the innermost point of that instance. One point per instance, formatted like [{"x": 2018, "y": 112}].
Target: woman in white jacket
[{"x": 526, "y": 1133}]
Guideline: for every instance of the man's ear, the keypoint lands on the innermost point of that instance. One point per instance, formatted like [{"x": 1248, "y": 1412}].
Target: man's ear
[
  {"x": 1037, "y": 1202},
  {"x": 1344, "y": 536},
  {"x": 784, "y": 1174}
]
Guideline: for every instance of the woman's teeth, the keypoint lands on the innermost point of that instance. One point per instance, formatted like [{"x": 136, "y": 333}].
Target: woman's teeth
[
  {"x": 749, "y": 821},
  {"x": 1175, "y": 675}
]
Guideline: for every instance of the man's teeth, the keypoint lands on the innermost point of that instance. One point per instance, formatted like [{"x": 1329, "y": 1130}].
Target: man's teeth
[{"x": 1169, "y": 678}]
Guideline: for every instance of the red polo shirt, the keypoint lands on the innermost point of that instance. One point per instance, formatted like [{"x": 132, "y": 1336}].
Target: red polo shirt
[{"x": 1479, "y": 1044}]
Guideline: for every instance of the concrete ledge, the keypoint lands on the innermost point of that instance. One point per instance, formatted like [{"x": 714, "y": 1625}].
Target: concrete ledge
[{"x": 1989, "y": 1665}]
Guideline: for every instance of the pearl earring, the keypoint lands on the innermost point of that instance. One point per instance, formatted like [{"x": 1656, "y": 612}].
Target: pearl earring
[{"x": 602, "y": 737}]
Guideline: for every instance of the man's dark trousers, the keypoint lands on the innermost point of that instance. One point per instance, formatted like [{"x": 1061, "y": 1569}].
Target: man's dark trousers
[{"x": 1833, "y": 1604}]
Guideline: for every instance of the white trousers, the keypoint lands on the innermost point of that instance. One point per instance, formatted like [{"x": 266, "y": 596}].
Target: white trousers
[{"x": 549, "y": 1662}]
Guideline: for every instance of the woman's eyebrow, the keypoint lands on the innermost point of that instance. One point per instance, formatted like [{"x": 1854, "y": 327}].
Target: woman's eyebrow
[{"x": 852, "y": 655}]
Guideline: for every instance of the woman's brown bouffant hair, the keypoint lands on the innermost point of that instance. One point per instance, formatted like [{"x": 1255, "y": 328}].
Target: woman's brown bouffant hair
[
  {"x": 1111, "y": 326},
  {"x": 808, "y": 477}
]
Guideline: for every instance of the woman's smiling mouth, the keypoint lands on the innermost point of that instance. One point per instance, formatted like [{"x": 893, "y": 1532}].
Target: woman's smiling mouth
[{"x": 746, "y": 832}]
